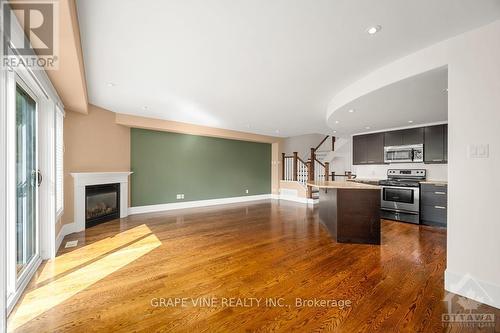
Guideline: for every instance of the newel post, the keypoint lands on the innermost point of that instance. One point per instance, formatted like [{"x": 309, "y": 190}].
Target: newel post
[
  {"x": 311, "y": 168},
  {"x": 327, "y": 170},
  {"x": 282, "y": 166},
  {"x": 295, "y": 164},
  {"x": 309, "y": 178}
]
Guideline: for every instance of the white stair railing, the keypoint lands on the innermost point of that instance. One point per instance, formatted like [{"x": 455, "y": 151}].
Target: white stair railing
[{"x": 295, "y": 169}]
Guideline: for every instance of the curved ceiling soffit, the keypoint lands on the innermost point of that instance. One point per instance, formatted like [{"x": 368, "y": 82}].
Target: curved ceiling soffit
[{"x": 422, "y": 61}]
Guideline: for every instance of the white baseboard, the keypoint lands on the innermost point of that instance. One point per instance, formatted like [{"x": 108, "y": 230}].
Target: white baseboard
[
  {"x": 66, "y": 229},
  {"x": 194, "y": 204},
  {"x": 471, "y": 287},
  {"x": 298, "y": 199}
]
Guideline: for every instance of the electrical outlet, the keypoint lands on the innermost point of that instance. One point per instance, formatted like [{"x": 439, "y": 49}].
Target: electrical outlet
[
  {"x": 71, "y": 244},
  {"x": 180, "y": 196},
  {"x": 246, "y": 191}
]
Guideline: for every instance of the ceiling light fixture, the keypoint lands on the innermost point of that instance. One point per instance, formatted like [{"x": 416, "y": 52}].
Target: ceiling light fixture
[
  {"x": 336, "y": 121},
  {"x": 367, "y": 127},
  {"x": 145, "y": 108},
  {"x": 410, "y": 121},
  {"x": 373, "y": 30},
  {"x": 110, "y": 84},
  {"x": 334, "y": 131},
  {"x": 351, "y": 111}
]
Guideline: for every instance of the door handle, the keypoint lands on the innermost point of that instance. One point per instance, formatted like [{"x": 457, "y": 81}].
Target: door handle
[{"x": 39, "y": 177}]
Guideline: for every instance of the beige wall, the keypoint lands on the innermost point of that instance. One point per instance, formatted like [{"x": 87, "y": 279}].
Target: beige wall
[
  {"x": 100, "y": 142},
  {"x": 92, "y": 143}
]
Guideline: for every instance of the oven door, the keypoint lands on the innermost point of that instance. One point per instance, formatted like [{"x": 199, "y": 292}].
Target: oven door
[
  {"x": 401, "y": 155},
  {"x": 400, "y": 198}
]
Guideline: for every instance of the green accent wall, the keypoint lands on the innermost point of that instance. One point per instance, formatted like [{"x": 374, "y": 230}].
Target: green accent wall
[{"x": 166, "y": 164}]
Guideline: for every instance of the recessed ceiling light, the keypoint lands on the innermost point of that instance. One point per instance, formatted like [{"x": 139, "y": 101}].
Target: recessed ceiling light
[
  {"x": 334, "y": 131},
  {"x": 373, "y": 30},
  {"x": 367, "y": 127},
  {"x": 145, "y": 108},
  {"x": 111, "y": 84},
  {"x": 410, "y": 121},
  {"x": 351, "y": 111},
  {"x": 336, "y": 121}
]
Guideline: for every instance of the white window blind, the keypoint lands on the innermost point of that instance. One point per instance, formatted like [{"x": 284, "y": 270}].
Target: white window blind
[{"x": 59, "y": 161}]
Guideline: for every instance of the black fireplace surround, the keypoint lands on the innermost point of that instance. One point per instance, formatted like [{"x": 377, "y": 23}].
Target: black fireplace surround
[{"x": 102, "y": 203}]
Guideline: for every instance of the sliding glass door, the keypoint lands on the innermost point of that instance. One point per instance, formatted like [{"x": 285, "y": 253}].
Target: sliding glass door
[{"x": 27, "y": 181}]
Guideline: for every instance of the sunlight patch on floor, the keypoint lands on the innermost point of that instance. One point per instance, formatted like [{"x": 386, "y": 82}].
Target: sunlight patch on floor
[
  {"x": 42, "y": 299},
  {"x": 78, "y": 257}
]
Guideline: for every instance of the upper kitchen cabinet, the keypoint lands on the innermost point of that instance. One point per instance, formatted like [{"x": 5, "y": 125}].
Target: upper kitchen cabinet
[
  {"x": 436, "y": 144},
  {"x": 411, "y": 136},
  {"x": 368, "y": 149}
]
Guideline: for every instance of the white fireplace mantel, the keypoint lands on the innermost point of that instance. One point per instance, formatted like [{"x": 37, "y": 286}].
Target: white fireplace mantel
[{"x": 82, "y": 179}]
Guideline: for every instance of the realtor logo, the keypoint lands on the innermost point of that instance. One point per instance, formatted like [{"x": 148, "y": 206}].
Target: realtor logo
[
  {"x": 31, "y": 33},
  {"x": 467, "y": 313}
]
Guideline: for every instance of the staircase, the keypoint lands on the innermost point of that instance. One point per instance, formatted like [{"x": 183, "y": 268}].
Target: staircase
[{"x": 317, "y": 166}]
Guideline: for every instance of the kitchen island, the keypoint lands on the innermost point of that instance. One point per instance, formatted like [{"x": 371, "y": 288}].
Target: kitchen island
[{"x": 350, "y": 211}]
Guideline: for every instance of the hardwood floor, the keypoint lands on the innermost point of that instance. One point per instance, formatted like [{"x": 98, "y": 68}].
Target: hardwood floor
[{"x": 121, "y": 270}]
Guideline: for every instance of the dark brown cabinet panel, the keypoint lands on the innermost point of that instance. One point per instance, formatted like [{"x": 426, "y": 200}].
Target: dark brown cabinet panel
[
  {"x": 433, "y": 204},
  {"x": 374, "y": 148},
  {"x": 368, "y": 149},
  {"x": 411, "y": 136},
  {"x": 436, "y": 144},
  {"x": 393, "y": 138},
  {"x": 445, "y": 144},
  {"x": 358, "y": 149}
]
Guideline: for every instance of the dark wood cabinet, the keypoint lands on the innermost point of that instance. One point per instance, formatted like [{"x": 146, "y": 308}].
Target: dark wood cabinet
[
  {"x": 411, "y": 136},
  {"x": 358, "y": 150},
  {"x": 436, "y": 144},
  {"x": 433, "y": 204},
  {"x": 445, "y": 157},
  {"x": 368, "y": 149},
  {"x": 393, "y": 138}
]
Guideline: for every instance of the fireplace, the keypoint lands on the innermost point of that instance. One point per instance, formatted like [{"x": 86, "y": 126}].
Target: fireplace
[{"x": 102, "y": 203}]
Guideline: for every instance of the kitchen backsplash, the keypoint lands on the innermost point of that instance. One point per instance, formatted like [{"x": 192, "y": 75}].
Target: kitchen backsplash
[{"x": 434, "y": 171}]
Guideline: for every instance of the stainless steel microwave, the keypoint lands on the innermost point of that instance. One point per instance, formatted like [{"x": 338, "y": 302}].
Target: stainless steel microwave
[{"x": 404, "y": 154}]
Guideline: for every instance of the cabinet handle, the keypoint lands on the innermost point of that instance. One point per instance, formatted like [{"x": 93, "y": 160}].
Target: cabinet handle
[
  {"x": 438, "y": 160},
  {"x": 371, "y": 161},
  {"x": 439, "y": 192},
  {"x": 439, "y": 207}
]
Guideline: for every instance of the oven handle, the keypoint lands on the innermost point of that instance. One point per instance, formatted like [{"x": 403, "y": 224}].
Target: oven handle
[{"x": 399, "y": 211}]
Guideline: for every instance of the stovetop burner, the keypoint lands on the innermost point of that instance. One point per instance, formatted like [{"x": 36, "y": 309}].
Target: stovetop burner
[
  {"x": 404, "y": 177},
  {"x": 400, "y": 183}
]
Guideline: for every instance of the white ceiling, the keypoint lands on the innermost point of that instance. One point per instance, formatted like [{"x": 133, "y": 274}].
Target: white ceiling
[
  {"x": 421, "y": 99},
  {"x": 259, "y": 66}
]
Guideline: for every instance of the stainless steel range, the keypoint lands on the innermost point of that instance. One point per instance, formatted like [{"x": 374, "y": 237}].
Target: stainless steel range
[{"x": 401, "y": 195}]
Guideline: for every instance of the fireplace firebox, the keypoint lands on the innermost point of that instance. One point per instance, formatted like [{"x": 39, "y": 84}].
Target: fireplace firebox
[{"x": 102, "y": 203}]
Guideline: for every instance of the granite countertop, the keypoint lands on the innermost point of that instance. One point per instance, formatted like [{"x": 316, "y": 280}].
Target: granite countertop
[{"x": 343, "y": 185}]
